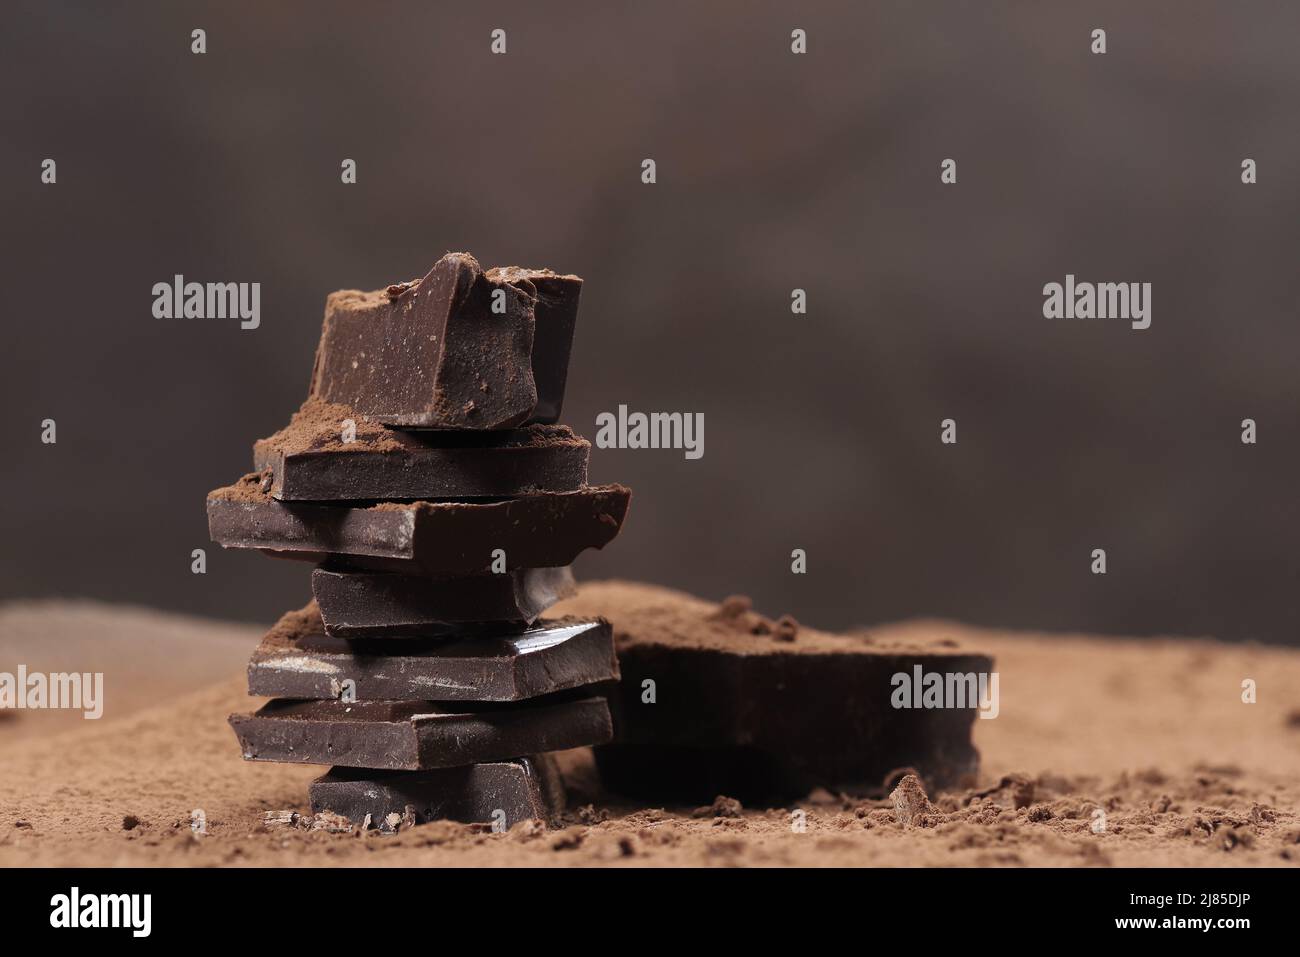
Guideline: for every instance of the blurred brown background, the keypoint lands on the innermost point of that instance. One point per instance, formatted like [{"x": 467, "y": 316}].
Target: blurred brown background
[{"x": 775, "y": 171}]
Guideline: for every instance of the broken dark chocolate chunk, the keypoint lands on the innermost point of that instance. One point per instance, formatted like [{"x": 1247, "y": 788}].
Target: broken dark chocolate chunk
[
  {"x": 451, "y": 351},
  {"x": 556, "y": 313},
  {"x": 329, "y": 452},
  {"x": 498, "y": 791},
  {"x": 740, "y": 709},
  {"x": 436, "y": 539},
  {"x": 781, "y": 723},
  {"x": 416, "y": 735},
  {"x": 297, "y": 659},
  {"x": 357, "y": 604}
]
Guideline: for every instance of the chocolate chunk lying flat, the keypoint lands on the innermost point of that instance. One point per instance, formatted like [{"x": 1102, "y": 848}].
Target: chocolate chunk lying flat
[
  {"x": 384, "y": 605},
  {"x": 416, "y": 735},
  {"x": 309, "y": 460},
  {"x": 452, "y": 350},
  {"x": 297, "y": 659},
  {"x": 437, "y": 539},
  {"x": 758, "y": 709},
  {"x": 522, "y": 789},
  {"x": 556, "y": 312}
]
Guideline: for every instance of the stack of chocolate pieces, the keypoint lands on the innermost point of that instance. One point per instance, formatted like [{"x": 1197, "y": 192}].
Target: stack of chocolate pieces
[{"x": 426, "y": 477}]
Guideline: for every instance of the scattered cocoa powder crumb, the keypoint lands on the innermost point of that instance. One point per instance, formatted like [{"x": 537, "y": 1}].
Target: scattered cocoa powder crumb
[
  {"x": 569, "y": 839},
  {"x": 1262, "y": 814},
  {"x": 895, "y": 777},
  {"x": 787, "y": 629},
  {"x": 912, "y": 806},
  {"x": 397, "y": 289},
  {"x": 737, "y": 613},
  {"x": 527, "y": 830},
  {"x": 1022, "y": 792},
  {"x": 130, "y": 822},
  {"x": 722, "y": 806},
  {"x": 330, "y": 822},
  {"x": 275, "y": 819},
  {"x": 589, "y": 814},
  {"x": 1235, "y": 837},
  {"x": 820, "y": 795},
  {"x": 733, "y": 607},
  {"x": 1040, "y": 813}
]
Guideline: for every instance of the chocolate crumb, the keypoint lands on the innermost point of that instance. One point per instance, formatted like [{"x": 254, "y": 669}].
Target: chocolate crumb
[
  {"x": 272, "y": 819},
  {"x": 567, "y": 840},
  {"x": 1237, "y": 837},
  {"x": 1022, "y": 792},
  {"x": 330, "y": 822},
  {"x": 820, "y": 795},
  {"x": 732, "y": 608},
  {"x": 590, "y": 814},
  {"x": 894, "y": 778},
  {"x": 787, "y": 629},
  {"x": 1262, "y": 814},
  {"x": 130, "y": 822},
  {"x": 527, "y": 829},
  {"x": 722, "y": 806},
  {"x": 912, "y": 807}
]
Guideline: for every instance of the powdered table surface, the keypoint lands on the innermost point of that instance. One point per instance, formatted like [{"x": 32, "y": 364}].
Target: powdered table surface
[{"x": 1153, "y": 733}]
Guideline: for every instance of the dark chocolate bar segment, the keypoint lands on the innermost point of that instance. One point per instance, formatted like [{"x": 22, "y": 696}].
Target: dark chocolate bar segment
[
  {"x": 759, "y": 710},
  {"x": 358, "y": 604},
  {"x": 416, "y": 735},
  {"x": 435, "y": 539},
  {"x": 310, "y": 460},
  {"x": 504, "y": 792},
  {"x": 556, "y": 313},
  {"x": 779, "y": 724},
  {"x": 452, "y": 350},
  {"x": 297, "y": 659}
]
